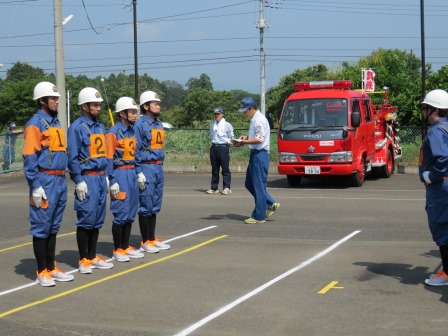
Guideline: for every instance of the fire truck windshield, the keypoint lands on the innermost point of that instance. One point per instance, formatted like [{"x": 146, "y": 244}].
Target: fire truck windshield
[{"x": 314, "y": 113}]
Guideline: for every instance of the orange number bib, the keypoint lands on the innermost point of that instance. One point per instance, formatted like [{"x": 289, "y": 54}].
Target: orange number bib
[
  {"x": 57, "y": 139},
  {"x": 97, "y": 145},
  {"x": 129, "y": 149},
  {"x": 158, "y": 138}
]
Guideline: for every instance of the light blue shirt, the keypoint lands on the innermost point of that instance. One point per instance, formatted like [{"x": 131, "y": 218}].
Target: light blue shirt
[
  {"x": 259, "y": 129},
  {"x": 221, "y": 133}
]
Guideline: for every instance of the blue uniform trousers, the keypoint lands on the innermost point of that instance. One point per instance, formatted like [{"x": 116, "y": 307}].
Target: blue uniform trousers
[
  {"x": 91, "y": 212},
  {"x": 48, "y": 221},
  {"x": 220, "y": 158},
  {"x": 151, "y": 198},
  {"x": 256, "y": 179},
  {"x": 124, "y": 210},
  {"x": 438, "y": 222}
]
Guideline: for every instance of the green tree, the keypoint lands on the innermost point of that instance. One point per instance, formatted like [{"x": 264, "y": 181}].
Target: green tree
[
  {"x": 400, "y": 72},
  {"x": 16, "y": 99},
  {"x": 203, "y": 82},
  {"x": 174, "y": 94},
  {"x": 22, "y": 71},
  {"x": 276, "y": 95}
]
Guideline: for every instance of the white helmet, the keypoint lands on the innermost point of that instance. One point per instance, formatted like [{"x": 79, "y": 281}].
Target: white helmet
[
  {"x": 437, "y": 98},
  {"x": 148, "y": 96},
  {"x": 89, "y": 95},
  {"x": 45, "y": 89},
  {"x": 125, "y": 103}
]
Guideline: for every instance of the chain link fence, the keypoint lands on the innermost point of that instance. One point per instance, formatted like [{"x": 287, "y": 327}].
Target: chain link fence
[{"x": 191, "y": 147}]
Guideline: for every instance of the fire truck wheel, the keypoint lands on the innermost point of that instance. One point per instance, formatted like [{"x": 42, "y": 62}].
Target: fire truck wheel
[
  {"x": 388, "y": 169},
  {"x": 294, "y": 180},
  {"x": 360, "y": 175}
]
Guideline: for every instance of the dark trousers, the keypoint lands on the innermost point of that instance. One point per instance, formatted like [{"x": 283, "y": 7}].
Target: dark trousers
[{"x": 220, "y": 158}]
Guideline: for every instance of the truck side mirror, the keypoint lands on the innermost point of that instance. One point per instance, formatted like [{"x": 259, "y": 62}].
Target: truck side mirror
[{"x": 356, "y": 119}]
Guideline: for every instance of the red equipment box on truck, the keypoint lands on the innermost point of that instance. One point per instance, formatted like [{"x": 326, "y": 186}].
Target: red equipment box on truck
[{"x": 326, "y": 129}]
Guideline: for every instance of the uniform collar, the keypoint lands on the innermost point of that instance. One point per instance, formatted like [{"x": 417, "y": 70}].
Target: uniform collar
[{"x": 46, "y": 116}]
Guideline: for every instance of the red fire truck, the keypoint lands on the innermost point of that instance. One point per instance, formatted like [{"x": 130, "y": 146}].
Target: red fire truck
[{"x": 327, "y": 129}]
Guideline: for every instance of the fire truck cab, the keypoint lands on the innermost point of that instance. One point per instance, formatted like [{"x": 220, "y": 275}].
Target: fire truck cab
[{"x": 327, "y": 129}]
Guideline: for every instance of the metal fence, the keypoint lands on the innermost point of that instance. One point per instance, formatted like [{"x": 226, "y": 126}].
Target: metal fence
[{"x": 191, "y": 146}]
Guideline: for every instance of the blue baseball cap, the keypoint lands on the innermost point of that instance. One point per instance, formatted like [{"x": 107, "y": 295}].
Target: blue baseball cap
[
  {"x": 246, "y": 103},
  {"x": 218, "y": 110}
]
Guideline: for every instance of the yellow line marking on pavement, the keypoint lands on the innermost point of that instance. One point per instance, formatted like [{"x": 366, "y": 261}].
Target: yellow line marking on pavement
[
  {"x": 331, "y": 285},
  {"x": 26, "y": 244},
  {"x": 110, "y": 277}
]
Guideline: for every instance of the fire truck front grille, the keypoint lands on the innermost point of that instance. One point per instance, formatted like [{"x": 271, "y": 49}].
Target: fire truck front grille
[{"x": 317, "y": 157}]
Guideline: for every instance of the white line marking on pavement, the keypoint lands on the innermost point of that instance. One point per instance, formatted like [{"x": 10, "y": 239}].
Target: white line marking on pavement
[
  {"x": 263, "y": 287},
  {"x": 76, "y": 270}
]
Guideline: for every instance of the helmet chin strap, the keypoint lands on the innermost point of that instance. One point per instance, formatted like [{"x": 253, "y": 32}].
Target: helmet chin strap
[
  {"x": 127, "y": 118},
  {"x": 427, "y": 117},
  {"x": 94, "y": 118}
]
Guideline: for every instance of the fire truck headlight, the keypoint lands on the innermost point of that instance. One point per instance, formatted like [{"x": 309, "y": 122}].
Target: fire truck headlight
[
  {"x": 341, "y": 157},
  {"x": 287, "y": 157}
]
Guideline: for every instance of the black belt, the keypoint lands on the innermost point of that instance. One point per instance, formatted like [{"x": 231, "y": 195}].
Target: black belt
[
  {"x": 220, "y": 144},
  {"x": 258, "y": 150}
]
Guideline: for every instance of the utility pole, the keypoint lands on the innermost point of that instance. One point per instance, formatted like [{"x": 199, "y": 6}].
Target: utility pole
[
  {"x": 262, "y": 25},
  {"x": 59, "y": 58},
  {"x": 422, "y": 28},
  {"x": 134, "y": 6}
]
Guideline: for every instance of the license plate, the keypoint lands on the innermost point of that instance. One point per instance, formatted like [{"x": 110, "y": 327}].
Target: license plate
[{"x": 312, "y": 170}]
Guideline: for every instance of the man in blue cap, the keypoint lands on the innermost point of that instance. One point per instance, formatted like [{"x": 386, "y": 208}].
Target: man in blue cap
[
  {"x": 221, "y": 134},
  {"x": 257, "y": 171}
]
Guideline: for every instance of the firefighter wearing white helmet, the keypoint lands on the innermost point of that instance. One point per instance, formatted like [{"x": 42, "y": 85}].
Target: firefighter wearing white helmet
[
  {"x": 433, "y": 172},
  {"x": 121, "y": 146},
  {"x": 87, "y": 165},
  {"x": 150, "y": 156},
  {"x": 44, "y": 163}
]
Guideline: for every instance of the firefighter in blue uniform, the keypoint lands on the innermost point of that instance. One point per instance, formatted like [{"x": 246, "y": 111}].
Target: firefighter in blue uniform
[
  {"x": 45, "y": 165},
  {"x": 433, "y": 172},
  {"x": 87, "y": 166},
  {"x": 149, "y": 156},
  {"x": 257, "y": 171},
  {"x": 120, "y": 148}
]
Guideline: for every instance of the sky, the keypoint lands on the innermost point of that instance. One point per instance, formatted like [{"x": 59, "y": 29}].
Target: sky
[{"x": 180, "y": 39}]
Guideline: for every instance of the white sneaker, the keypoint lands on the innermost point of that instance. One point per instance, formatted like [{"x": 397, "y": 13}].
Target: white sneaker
[
  {"x": 226, "y": 191},
  {"x": 161, "y": 246},
  {"x": 148, "y": 246},
  {"x": 84, "y": 266},
  {"x": 120, "y": 255},
  {"x": 133, "y": 253},
  {"x": 98, "y": 262},
  {"x": 212, "y": 191},
  {"x": 44, "y": 279},
  {"x": 58, "y": 275},
  {"x": 441, "y": 279}
]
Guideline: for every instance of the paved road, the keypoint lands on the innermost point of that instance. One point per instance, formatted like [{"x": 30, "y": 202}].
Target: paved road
[{"x": 332, "y": 261}]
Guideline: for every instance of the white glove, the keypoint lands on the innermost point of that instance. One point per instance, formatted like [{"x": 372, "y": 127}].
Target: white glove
[
  {"x": 38, "y": 195},
  {"x": 141, "y": 181},
  {"x": 114, "y": 190},
  {"x": 108, "y": 183},
  {"x": 425, "y": 176},
  {"x": 81, "y": 190}
]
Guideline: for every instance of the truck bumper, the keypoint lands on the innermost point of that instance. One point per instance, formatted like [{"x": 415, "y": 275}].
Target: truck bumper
[{"x": 325, "y": 170}]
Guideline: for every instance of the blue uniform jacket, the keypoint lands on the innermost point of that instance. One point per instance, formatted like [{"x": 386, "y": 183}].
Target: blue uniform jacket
[
  {"x": 149, "y": 147},
  {"x": 434, "y": 158},
  {"x": 80, "y": 148},
  {"x": 45, "y": 147}
]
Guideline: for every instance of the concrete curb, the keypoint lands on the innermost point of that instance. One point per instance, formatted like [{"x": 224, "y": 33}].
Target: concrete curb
[{"x": 185, "y": 168}]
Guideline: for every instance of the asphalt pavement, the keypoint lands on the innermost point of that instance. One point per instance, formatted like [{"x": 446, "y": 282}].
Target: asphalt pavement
[{"x": 333, "y": 260}]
